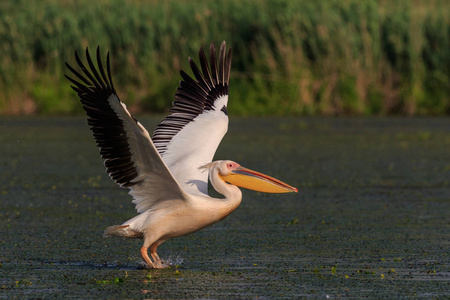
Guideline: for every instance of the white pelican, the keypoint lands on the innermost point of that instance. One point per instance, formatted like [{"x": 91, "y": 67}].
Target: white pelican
[{"x": 168, "y": 174}]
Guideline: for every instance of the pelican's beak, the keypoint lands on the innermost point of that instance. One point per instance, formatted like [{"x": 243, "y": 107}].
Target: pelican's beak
[{"x": 256, "y": 181}]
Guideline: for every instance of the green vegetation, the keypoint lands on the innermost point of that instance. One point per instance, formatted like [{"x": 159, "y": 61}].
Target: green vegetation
[{"x": 290, "y": 57}]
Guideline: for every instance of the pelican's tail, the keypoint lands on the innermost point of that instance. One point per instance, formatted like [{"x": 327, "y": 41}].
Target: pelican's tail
[{"x": 122, "y": 230}]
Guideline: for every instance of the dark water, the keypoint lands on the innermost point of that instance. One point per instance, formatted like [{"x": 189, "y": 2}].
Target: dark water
[{"x": 371, "y": 218}]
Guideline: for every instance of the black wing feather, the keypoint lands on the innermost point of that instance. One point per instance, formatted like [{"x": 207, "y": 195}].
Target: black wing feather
[
  {"x": 194, "y": 96},
  {"x": 205, "y": 68},
  {"x": 94, "y": 91}
]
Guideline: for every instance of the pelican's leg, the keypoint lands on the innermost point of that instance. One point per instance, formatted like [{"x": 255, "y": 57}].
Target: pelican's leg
[
  {"x": 146, "y": 258},
  {"x": 157, "y": 261}
]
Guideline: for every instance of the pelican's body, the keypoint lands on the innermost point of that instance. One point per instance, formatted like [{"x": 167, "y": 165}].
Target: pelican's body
[
  {"x": 168, "y": 174},
  {"x": 173, "y": 218}
]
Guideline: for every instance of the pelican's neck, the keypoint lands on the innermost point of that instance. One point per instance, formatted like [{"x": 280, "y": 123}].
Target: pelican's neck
[{"x": 232, "y": 193}]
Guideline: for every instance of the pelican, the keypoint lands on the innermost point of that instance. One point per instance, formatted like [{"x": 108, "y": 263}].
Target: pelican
[{"x": 167, "y": 174}]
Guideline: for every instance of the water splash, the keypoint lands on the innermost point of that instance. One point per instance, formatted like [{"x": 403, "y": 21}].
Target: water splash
[{"x": 167, "y": 263}]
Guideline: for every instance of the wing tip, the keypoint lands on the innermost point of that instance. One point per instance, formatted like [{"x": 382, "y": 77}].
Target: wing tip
[{"x": 194, "y": 96}]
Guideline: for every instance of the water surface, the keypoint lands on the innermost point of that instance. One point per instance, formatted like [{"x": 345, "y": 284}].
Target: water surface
[{"x": 371, "y": 218}]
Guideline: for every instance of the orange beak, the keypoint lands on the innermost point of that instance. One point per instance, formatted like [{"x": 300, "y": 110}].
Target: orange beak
[{"x": 256, "y": 181}]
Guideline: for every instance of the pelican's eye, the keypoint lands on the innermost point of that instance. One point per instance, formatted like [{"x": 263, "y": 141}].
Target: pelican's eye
[{"x": 232, "y": 166}]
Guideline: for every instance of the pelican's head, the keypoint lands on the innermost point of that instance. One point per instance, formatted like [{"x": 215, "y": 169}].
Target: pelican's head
[{"x": 233, "y": 173}]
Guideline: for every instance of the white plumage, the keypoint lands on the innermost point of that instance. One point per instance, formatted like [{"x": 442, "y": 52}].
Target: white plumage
[{"x": 168, "y": 174}]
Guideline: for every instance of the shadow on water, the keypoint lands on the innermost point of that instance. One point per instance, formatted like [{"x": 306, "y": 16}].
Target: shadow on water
[
  {"x": 80, "y": 265},
  {"x": 371, "y": 218}
]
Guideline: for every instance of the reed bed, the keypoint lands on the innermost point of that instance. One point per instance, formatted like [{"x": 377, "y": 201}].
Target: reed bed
[{"x": 332, "y": 57}]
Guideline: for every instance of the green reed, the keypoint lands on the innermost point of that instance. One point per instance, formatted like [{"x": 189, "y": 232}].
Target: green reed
[{"x": 289, "y": 57}]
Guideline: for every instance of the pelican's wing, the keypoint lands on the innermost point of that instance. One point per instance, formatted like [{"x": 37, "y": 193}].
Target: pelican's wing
[
  {"x": 131, "y": 159},
  {"x": 189, "y": 136}
]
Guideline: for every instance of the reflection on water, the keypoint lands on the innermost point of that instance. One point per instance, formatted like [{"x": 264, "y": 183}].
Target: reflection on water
[{"x": 371, "y": 213}]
